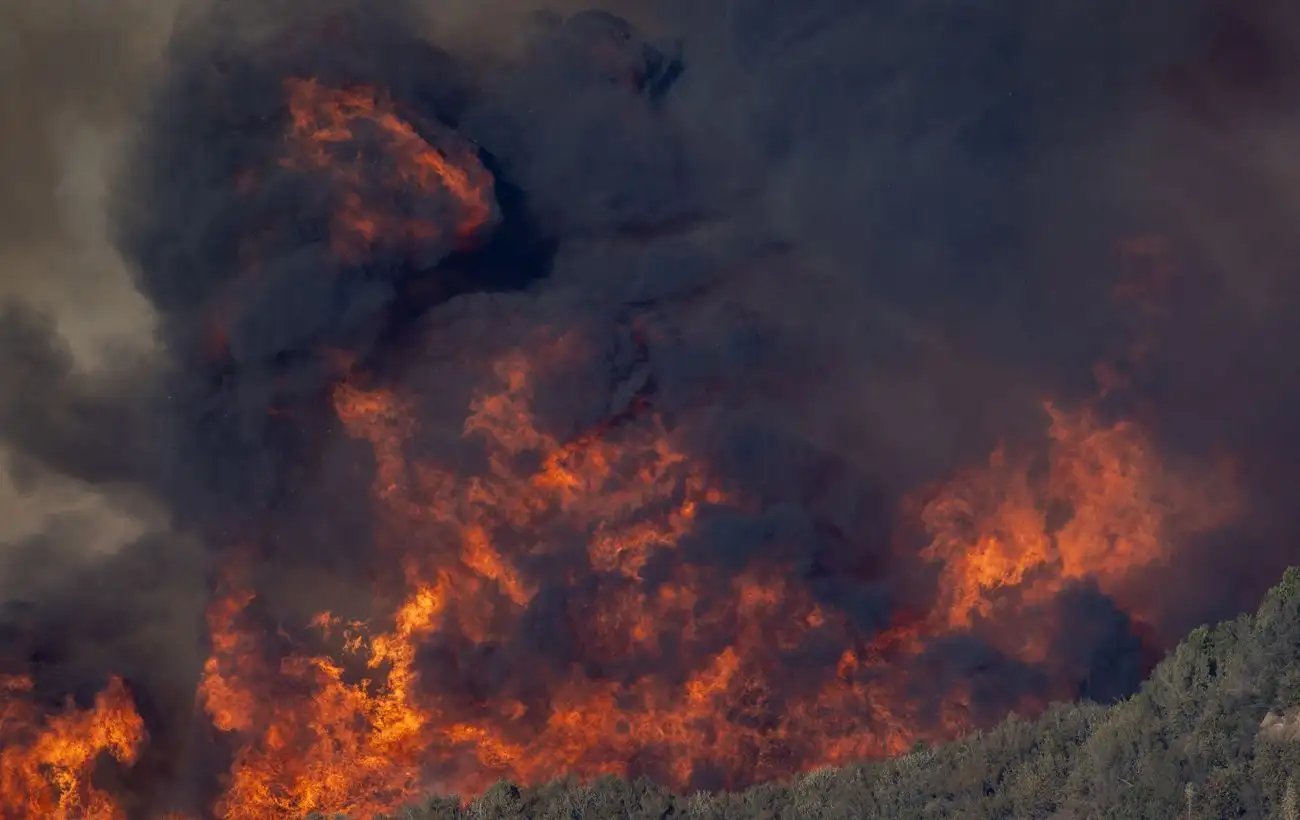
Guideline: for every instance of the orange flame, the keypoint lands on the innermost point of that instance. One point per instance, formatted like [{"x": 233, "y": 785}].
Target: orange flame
[
  {"x": 1122, "y": 509},
  {"x": 353, "y": 749},
  {"x": 395, "y": 187},
  {"x": 327, "y": 124},
  {"x": 46, "y": 764},
  {"x": 364, "y": 729},
  {"x": 634, "y": 495},
  {"x": 358, "y": 732}
]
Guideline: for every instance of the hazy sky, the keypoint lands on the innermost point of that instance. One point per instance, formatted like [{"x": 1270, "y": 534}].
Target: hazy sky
[{"x": 70, "y": 72}]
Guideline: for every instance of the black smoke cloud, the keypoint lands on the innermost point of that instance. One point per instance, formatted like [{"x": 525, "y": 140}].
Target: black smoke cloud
[{"x": 842, "y": 246}]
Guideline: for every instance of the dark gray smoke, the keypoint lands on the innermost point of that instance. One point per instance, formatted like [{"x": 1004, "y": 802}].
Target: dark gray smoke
[
  {"x": 841, "y": 247},
  {"x": 72, "y": 76}
]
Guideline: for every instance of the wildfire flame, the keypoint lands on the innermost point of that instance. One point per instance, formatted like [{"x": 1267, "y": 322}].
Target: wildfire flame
[
  {"x": 990, "y": 532},
  {"x": 363, "y": 728},
  {"x": 46, "y": 763},
  {"x": 314, "y": 735},
  {"x": 991, "y": 528},
  {"x": 327, "y": 126},
  {"x": 392, "y": 186}
]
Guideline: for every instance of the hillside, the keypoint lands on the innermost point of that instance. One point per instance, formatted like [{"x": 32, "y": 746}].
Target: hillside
[{"x": 1214, "y": 733}]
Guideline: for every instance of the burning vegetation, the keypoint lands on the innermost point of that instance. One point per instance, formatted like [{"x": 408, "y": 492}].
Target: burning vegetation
[
  {"x": 370, "y": 726},
  {"x": 483, "y": 499}
]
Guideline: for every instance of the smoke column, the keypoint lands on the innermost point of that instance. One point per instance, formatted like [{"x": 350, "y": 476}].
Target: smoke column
[{"x": 706, "y": 393}]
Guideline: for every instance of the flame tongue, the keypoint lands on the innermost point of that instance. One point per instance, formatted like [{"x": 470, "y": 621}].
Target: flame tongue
[
  {"x": 399, "y": 200},
  {"x": 674, "y": 668},
  {"x": 396, "y": 186},
  {"x": 696, "y": 673},
  {"x": 706, "y": 656},
  {"x": 46, "y": 765},
  {"x": 1122, "y": 509},
  {"x": 353, "y": 749}
]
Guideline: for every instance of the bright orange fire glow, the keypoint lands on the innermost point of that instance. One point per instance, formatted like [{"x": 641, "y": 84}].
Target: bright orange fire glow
[
  {"x": 357, "y": 730},
  {"x": 394, "y": 187},
  {"x": 327, "y": 131},
  {"x": 358, "y": 724},
  {"x": 1005, "y": 537},
  {"x": 46, "y": 763},
  {"x": 354, "y": 748},
  {"x": 1120, "y": 510}
]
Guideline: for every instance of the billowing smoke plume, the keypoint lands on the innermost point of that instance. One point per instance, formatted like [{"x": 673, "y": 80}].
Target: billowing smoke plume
[
  {"x": 73, "y": 76},
  {"x": 635, "y": 377}
]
